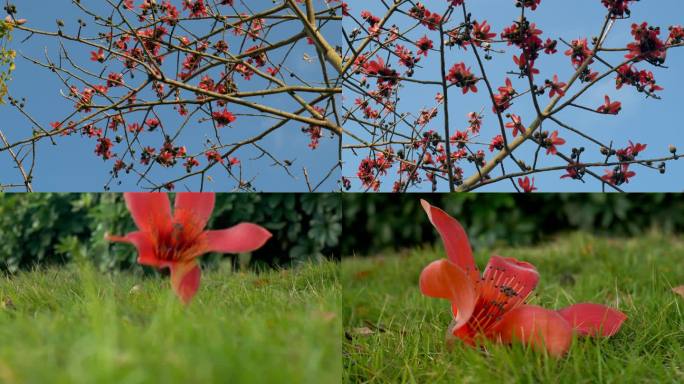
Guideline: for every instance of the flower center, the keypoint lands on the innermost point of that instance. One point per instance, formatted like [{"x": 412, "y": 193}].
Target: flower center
[
  {"x": 499, "y": 291},
  {"x": 183, "y": 240}
]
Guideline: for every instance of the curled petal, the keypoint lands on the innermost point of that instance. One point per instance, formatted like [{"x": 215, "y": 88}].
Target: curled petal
[
  {"x": 446, "y": 280},
  {"x": 144, "y": 245},
  {"x": 454, "y": 238},
  {"x": 201, "y": 204},
  {"x": 244, "y": 237},
  {"x": 520, "y": 276},
  {"x": 151, "y": 211},
  {"x": 589, "y": 319},
  {"x": 185, "y": 279},
  {"x": 542, "y": 329}
]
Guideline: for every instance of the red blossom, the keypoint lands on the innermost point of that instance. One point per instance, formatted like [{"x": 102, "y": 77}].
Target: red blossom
[
  {"x": 557, "y": 87},
  {"x": 481, "y": 33},
  {"x": 516, "y": 124},
  {"x": 647, "y": 45},
  {"x": 618, "y": 175},
  {"x": 617, "y": 8},
  {"x": 98, "y": 56},
  {"x": 611, "y": 108},
  {"x": 497, "y": 143},
  {"x": 424, "y": 46},
  {"x": 527, "y": 185},
  {"x": 461, "y": 76},
  {"x": 223, "y": 118},
  {"x": 508, "y": 283},
  {"x": 579, "y": 52},
  {"x": 174, "y": 240},
  {"x": 551, "y": 142}
]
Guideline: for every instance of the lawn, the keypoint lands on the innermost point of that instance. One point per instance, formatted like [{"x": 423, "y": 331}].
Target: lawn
[
  {"x": 394, "y": 334},
  {"x": 76, "y": 325}
]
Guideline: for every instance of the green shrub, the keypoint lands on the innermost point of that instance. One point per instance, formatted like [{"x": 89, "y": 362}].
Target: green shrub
[
  {"x": 45, "y": 228},
  {"x": 373, "y": 223}
]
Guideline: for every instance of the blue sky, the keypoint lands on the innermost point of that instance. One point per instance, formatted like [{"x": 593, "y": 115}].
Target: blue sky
[
  {"x": 654, "y": 122},
  {"x": 72, "y": 166}
]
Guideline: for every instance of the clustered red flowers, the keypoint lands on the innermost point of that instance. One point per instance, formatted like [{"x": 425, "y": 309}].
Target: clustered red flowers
[
  {"x": 647, "y": 45},
  {"x": 126, "y": 86},
  {"x": 427, "y": 155},
  {"x": 461, "y": 77},
  {"x": 429, "y": 19},
  {"x": 642, "y": 80},
  {"x": 618, "y": 8},
  {"x": 369, "y": 169},
  {"x": 223, "y": 118}
]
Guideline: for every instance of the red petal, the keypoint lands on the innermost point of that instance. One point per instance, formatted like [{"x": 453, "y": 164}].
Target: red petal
[
  {"x": 461, "y": 332},
  {"x": 454, "y": 238},
  {"x": 143, "y": 243},
  {"x": 542, "y": 329},
  {"x": 185, "y": 280},
  {"x": 151, "y": 211},
  {"x": 201, "y": 204},
  {"x": 589, "y": 319},
  {"x": 518, "y": 275},
  {"x": 445, "y": 280},
  {"x": 244, "y": 237}
]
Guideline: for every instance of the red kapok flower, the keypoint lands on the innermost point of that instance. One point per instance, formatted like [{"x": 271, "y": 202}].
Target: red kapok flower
[
  {"x": 526, "y": 185},
  {"x": 492, "y": 306},
  {"x": 174, "y": 240},
  {"x": 461, "y": 77},
  {"x": 557, "y": 87},
  {"x": 424, "y": 46},
  {"x": 516, "y": 124},
  {"x": 551, "y": 142},
  {"x": 611, "y": 108},
  {"x": 98, "y": 56},
  {"x": 223, "y": 118}
]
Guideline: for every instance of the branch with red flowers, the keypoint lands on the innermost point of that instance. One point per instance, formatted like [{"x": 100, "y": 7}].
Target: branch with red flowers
[
  {"x": 396, "y": 51},
  {"x": 161, "y": 73}
]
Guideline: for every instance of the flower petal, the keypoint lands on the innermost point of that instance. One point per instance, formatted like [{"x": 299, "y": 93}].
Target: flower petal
[
  {"x": 590, "y": 319},
  {"x": 244, "y": 237},
  {"x": 445, "y": 280},
  {"x": 185, "y": 279},
  {"x": 454, "y": 238},
  {"x": 542, "y": 329},
  {"x": 143, "y": 243},
  {"x": 200, "y": 203},
  {"x": 151, "y": 211},
  {"x": 520, "y": 276}
]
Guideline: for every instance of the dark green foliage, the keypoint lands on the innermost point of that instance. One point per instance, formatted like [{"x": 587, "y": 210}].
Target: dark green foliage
[
  {"x": 45, "y": 228},
  {"x": 373, "y": 223}
]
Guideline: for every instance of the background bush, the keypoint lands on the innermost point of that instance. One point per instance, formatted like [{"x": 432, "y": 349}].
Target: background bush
[
  {"x": 373, "y": 223},
  {"x": 46, "y": 228}
]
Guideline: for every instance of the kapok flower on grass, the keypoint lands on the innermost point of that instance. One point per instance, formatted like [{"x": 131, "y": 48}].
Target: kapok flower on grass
[
  {"x": 492, "y": 305},
  {"x": 175, "y": 240}
]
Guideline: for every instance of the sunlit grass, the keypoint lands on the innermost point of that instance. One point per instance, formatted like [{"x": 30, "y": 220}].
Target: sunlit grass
[
  {"x": 75, "y": 325},
  {"x": 394, "y": 334}
]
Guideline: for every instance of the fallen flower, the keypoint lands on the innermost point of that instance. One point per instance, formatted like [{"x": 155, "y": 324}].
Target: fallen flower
[
  {"x": 492, "y": 306},
  {"x": 679, "y": 290},
  {"x": 174, "y": 241}
]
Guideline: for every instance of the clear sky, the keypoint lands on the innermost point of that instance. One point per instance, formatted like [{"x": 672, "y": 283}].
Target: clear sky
[
  {"x": 72, "y": 166},
  {"x": 654, "y": 122}
]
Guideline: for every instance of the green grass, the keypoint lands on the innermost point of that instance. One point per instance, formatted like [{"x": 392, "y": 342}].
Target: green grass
[
  {"x": 74, "y": 325},
  {"x": 394, "y": 334}
]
